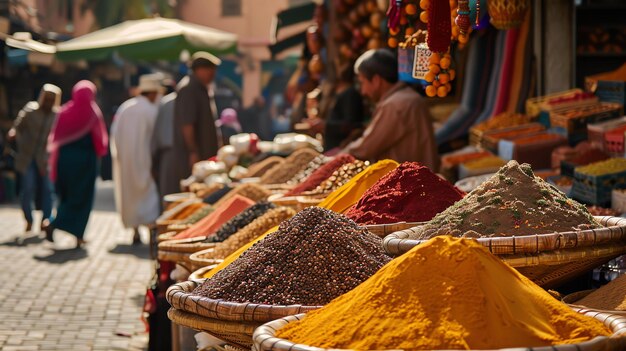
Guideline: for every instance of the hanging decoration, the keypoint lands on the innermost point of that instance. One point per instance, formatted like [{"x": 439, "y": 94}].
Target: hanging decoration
[
  {"x": 462, "y": 19},
  {"x": 393, "y": 13},
  {"x": 439, "y": 26},
  {"x": 360, "y": 27},
  {"x": 507, "y": 14},
  {"x": 423, "y": 35}
]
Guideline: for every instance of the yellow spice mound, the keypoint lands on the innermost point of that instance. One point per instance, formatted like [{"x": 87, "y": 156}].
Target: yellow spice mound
[{"x": 445, "y": 294}]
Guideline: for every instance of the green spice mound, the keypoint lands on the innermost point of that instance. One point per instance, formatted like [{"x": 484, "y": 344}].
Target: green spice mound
[{"x": 512, "y": 202}]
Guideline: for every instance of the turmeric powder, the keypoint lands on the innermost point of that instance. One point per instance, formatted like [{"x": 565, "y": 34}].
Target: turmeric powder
[
  {"x": 448, "y": 293},
  {"x": 339, "y": 201}
]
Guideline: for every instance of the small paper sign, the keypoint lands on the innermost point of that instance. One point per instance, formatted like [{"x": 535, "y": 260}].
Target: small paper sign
[{"x": 421, "y": 61}]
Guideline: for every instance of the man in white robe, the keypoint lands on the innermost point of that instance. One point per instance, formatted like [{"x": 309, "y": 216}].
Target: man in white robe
[{"x": 136, "y": 194}]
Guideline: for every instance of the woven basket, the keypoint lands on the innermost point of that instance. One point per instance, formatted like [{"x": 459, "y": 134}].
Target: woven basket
[
  {"x": 278, "y": 187},
  {"x": 180, "y": 297},
  {"x": 200, "y": 272},
  {"x": 179, "y": 250},
  {"x": 199, "y": 259},
  {"x": 547, "y": 259},
  {"x": 382, "y": 230},
  {"x": 237, "y": 334},
  {"x": 572, "y": 298},
  {"x": 265, "y": 339},
  {"x": 178, "y": 227},
  {"x": 298, "y": 203},
  {"x": 166, "y": 236},
  {"x": 162, "y": 225}
]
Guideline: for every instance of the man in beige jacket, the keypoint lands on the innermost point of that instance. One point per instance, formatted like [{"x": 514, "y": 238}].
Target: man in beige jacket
[{"x": 401, "y": 128}]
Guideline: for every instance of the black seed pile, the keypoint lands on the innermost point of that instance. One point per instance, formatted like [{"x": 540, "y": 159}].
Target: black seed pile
[
  {"x": 239, "y": 221},
  {"x": 314, "y": 257}
]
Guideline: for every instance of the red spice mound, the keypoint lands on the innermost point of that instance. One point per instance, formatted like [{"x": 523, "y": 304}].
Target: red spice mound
[
  {"x": 321, "y": 174},
  {"x": 410, "y": 193}
]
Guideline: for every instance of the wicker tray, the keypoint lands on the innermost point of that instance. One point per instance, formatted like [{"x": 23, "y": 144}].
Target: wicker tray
[
  {"x": 547, "y": 259},
  {"x": 199, "y": 273},
  {"x": 179, "y": 250},
  {"x": 298, "y": 203},
  {"x": 572, "y": 298},
  {"x": 265, "y": 340},
  {"x": 237, "y": 334},
  {"x": 382, "y": 230},
  {"x": 198, "y": 259},
  {"x": 180, "y": 297}
]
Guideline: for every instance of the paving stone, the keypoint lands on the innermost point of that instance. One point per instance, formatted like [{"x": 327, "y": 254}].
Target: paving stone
[{"x": 56, "y": 298}]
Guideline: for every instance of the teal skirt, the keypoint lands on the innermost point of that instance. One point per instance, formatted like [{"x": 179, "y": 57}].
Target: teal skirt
[{"x": 77, "y": 170}]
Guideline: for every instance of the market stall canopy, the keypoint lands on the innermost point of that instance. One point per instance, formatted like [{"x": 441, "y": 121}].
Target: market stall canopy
[
  {"x": 24, "y": 41},
  {"x": 289, "y": 17},
  {"x": 148, "y": 39}
]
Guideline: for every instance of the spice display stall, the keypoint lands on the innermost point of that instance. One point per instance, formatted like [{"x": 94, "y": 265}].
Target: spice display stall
[{"x": 322, "y": 255}]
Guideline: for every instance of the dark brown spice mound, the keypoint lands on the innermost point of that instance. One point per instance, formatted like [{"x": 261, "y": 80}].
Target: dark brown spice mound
[
  {"x": 314, "y": 257},
  {"x": 512, "y": 202}
]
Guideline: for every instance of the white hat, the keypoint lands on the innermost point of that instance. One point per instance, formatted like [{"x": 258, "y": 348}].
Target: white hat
[{"x": 150, "y": 83}]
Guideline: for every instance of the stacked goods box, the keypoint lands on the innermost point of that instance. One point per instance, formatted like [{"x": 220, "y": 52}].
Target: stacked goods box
[
  {"x": 611, "y": 91},
  {"x": 596, "y": 131},
  {"x": 496, "y": 123},
  {"x": 534, "y": 105},
  {"x": 594, "y": 183},
  {"x": 489, "y": 164},
  {"x": 491, "y": 139},
  {"x": 450, "y": 162},
  {"x": 614, "y": 141},
  {"x": 572, "y": 122},
  {"x": 534, "y": 149},
  {"x": 571, "y": 101}
]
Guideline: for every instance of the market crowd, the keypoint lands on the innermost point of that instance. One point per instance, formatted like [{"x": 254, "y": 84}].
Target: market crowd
[{"x": 155, "y": 140}]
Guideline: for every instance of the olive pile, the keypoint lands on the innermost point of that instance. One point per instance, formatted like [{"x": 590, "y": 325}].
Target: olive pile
[
  {"x": 314, "y": 257},
  {"x": 239, "y": 221},
  {"x": 293, "y": 164},
  {"x": 252, "y": 231}
]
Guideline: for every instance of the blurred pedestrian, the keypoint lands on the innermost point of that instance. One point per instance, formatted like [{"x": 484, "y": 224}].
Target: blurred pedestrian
[
  {"x": 229, "y": 124},
  {"x": 195, "y": 135},
  {"x": 136, "y": 194},
  {"x": 163, "y": 145},
  {"x": 257, "y": 119},
  {"x": 77, "y": 140},
  {"x": 347, "y": 113},
  {"x": 30, "y": 131}
]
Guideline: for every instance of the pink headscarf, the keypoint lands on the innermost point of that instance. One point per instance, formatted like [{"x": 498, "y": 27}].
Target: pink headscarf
[
  {"x": 76, "y": 119},
  {"x": 229, "y": 118}
]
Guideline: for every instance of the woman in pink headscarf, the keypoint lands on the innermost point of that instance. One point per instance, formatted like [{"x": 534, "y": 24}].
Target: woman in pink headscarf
[
  {"x": 229, "y": 124},
  {"x": 77, "y": 140}
]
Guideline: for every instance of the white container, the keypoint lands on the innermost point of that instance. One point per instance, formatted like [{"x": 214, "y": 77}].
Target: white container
[{"x": 618, "y": 201}]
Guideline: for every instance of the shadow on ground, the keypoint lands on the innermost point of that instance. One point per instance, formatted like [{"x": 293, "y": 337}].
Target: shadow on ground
[
  {"x": 60, "y": 256},
  {"x": 141, "y": 251},
  {"x": 24, "y": 239}
]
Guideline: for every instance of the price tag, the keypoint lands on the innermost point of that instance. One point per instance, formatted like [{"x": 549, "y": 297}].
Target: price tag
[{"x": 421, "y": 61}]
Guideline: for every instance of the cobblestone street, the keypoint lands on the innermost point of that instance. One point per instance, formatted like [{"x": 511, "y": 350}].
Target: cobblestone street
[{"x": 54, "y": 297}]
